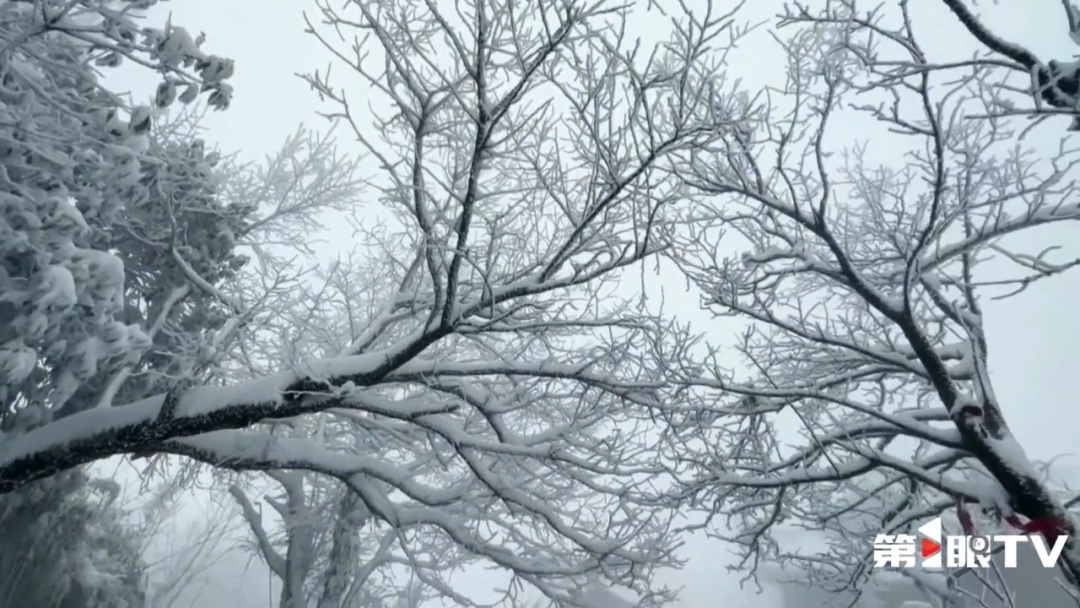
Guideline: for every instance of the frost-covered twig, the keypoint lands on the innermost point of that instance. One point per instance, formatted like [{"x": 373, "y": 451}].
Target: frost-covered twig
[{"x": 861, "y": 292}]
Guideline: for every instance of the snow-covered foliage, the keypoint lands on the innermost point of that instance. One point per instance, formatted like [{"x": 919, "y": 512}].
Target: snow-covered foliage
[
  {"x": 71, "y": 167},
  {"x": 863, "y": 288},
  {"x": 119, "y": 232},
  {"x": 77, "y": 166},
  {"x": 65, "y": 544}
]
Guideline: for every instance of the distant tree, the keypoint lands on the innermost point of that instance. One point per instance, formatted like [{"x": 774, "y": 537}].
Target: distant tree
[
  {"x": 64, "y": 544},
  {"x": 327, "y": 551},
  {"x": 861, "y": 289},
  {"x": 184, "y": 536}
]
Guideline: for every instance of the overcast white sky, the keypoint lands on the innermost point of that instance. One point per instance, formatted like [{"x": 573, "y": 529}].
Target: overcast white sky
[{"x": 1032, "y": 337}]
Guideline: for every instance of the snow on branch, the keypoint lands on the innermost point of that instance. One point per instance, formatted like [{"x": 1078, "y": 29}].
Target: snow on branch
[
  {"x": 861, "y": 286},
  {"x": 1053, "y": 82},
  {"x": 466, "y": 367}
]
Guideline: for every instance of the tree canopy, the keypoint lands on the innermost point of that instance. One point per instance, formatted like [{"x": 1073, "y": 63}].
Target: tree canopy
[{"x": 479, "y": 375}]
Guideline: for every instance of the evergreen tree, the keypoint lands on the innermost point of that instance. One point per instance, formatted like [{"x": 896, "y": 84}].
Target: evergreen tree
[{"x": 85, "y": 278}]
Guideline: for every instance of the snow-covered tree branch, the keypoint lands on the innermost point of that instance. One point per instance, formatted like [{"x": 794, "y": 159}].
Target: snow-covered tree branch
[
  {"x": 862, "y": 289},
  {"x": 497, "y": 394},
  {"x": 1053, "y": 84}
]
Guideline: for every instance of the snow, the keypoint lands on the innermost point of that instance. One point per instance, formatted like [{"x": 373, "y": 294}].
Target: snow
[
  {"x": 66, "y": 211},
  {"x": 17, "y": 361},
  {"x": 174, "y": 46},
  {"x": 96, "y": 279},
  {"x": 268, "y": 389},
  {"x": 85, "y": 356},
  {"x": 205, "y": 400},
  {"x": 137, "y": 342},
  {"x": 78, "y": 427},
  {"x": 989, "y": 494},
  {"x": 56, "y": 288},
  {"x": 102, "y": 273},
  {"x": 278, "y": 452},
  {"x": 1009, "y": 450}
]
